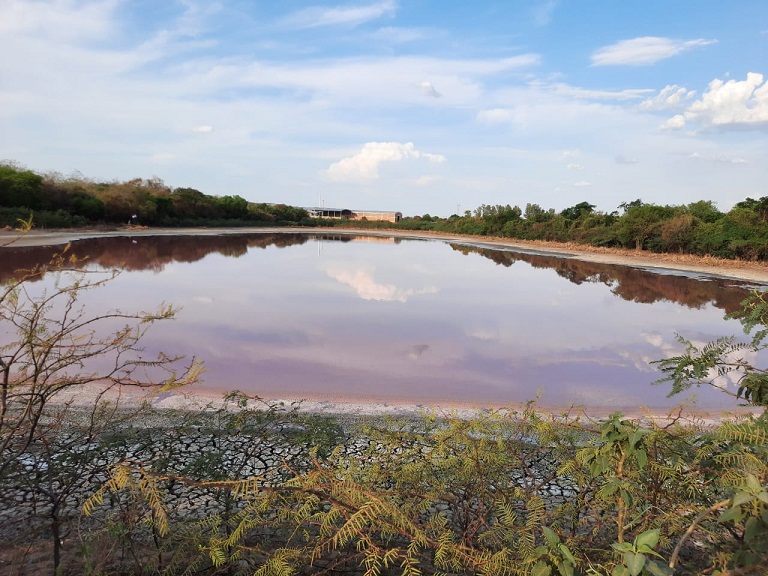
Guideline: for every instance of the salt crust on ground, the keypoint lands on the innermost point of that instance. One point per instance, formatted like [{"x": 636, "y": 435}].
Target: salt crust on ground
[{"x": 373, "y": 408}]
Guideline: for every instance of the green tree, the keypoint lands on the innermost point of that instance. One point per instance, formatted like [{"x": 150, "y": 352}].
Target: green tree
[
  {"x": 535, "y": 213},
  {"x": 233, "y": 207},
  {"x": 759, "y": 207},
  {"x": 724, "y": 363},
  {"x": 641, "y": 222},
  {"x": 20, "y": 188},
  {"x": 191, "y": 203},
  {"x": 81, "y": 203},
  {"x": 580, "y": 210},
  {"x": 677, "y": 233},
  {"x": 704, "y": 210}
]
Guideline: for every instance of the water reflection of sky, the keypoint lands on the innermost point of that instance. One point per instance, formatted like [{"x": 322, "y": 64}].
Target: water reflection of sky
[{"x": 414, "y": 320}]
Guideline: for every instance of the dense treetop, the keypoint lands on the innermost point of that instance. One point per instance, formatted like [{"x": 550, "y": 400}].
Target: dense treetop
[{"x": 57, "y": 202}]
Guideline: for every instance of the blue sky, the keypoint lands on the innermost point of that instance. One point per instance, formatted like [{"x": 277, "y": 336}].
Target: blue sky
[{"x": 411, "y": 105}]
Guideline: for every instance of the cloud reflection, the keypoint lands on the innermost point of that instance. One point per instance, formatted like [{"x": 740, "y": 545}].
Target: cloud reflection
[
  {"x": 367, "y": 288},
  {"x": 417, "y": 350}
]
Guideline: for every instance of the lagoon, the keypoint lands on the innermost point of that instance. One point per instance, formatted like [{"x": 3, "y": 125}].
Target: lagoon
[{"x": 368, "y": 318}]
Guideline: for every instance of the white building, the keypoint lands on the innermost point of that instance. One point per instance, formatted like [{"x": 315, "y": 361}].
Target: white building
[{"x": 347, "y": 214}]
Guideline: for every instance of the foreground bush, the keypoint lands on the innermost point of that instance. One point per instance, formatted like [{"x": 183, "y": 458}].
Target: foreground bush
[{"x": 498, "y": 494}]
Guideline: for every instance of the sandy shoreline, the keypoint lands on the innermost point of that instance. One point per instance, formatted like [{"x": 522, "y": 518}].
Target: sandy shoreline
[{"x": 736, "y": 269}]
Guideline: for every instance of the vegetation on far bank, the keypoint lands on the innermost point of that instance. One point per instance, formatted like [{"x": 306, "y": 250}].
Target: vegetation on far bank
[{"x": 698, "y": 228}]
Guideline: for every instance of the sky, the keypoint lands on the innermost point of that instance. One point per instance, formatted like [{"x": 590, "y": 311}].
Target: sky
[{"x": 416, "y": 106}]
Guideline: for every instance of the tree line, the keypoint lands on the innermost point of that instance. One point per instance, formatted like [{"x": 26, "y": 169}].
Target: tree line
[
  {"x": 56, "y": 201},
  {"x": 698, "y": 228}
]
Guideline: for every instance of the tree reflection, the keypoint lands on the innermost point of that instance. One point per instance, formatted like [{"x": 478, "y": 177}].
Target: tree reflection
[
  {"x": 156, "y": 252},
  {"x": 146, "y": 252},
  {"x": 629, "y": 283}
]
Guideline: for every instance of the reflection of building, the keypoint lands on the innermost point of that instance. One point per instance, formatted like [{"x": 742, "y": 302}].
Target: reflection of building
[
  {"x": 347, "y": 214},
  {"x": 357, "y": 238},
  {"x": 377, "y": 239}
]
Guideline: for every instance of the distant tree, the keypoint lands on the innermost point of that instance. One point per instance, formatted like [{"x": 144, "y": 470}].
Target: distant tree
[
  {"x": 677, "y": 233},
  {"x": 632, "y": 204},
  {"x": 495, "y": 218},
  {"x": 759, "y": 207},
  {"x": 640, "y": 222},
  {"x": 123, "y": 200},
  {"x": 578, "y": 211},
  {"x": 20, "y": 188},
  {"x": 535, "y": 213},
  {"x": 260, "y": 212},
  {"x": 704, "y": 210},
  {"x": 287, "y": 214},
  {"x": 741, "y": 217},
  {"x": 164, "y": 208},
  {"x": 83, "y": 204},
  {"x": 191, "y": 203},
  {"x": 233, "y": 207}
]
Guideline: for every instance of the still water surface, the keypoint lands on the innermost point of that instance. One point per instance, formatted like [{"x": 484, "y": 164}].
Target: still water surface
[{"x": 418, "y": 321}]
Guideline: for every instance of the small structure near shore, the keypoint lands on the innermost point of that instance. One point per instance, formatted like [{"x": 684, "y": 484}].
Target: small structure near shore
[{"x": 347, "y": 214}]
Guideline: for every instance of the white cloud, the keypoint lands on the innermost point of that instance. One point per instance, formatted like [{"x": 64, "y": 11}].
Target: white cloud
[
  {"x": 542, "y": 14},
  {"x": 733, "y": 103},
  {"x": 163, "y": 157},
  {"x": 671, "y": 96},
  {"x": 427, "y": 180},
  {"x": 58, "y": 20},
  {"x": 675, "y": 123},
  {"x": 319, "y": 16},
  {"x": 400, "y": 35},
  {"x": 656, "y": 340},
  {"x": 582, "y": 184},
  {"x": 207, "y": 129},
  {"x": 496, "y": 116},
  {"x": 720, "y": 158},
  {"x": 415, "y": 352},
  {"x": 429, "y": 90},
  {"x": 574, "y": 92},
  {"x": 365, "y": 164},
  {"x": 644, "y": 51},
  {"x": 367, "y": 81},
  {"x": 574, "y": 166}
]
